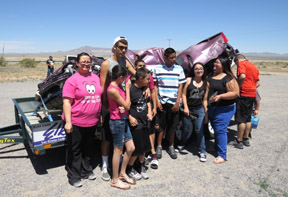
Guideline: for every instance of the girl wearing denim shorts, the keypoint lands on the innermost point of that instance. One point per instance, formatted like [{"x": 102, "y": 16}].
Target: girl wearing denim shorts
[{"x": 119, "y": 104}]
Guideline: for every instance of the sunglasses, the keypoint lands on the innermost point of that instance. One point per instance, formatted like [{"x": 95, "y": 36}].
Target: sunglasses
[{"x": 121, "y": 48}]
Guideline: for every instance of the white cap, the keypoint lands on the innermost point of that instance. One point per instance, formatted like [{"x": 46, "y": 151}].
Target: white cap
[{"x": 118, "y": 39}]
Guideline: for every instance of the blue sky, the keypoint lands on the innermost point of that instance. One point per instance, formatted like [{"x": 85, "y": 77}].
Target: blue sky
[{"x": 29, "y": 26}]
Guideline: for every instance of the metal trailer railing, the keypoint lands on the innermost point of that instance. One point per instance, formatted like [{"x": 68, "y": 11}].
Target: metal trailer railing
[{"x": 33, "y": 127}]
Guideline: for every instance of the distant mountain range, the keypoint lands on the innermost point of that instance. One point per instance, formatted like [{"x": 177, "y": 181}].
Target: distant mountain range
[
  {"x": 266, "y": 55},
  {"x": 99, "y": 52},
  {"x": 106, "y": 52}
]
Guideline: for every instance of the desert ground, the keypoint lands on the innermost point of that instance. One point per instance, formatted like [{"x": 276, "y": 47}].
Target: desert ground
[
  {"x": 16, "y": 72},
  {"x": 258, "y": 170}
]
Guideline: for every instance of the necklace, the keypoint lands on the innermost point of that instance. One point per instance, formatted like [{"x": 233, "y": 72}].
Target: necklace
[{"x": 197, "y": 84}]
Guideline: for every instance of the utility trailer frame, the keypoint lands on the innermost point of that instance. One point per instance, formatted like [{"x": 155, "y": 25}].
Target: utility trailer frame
[{"x": 34, "y": 128}]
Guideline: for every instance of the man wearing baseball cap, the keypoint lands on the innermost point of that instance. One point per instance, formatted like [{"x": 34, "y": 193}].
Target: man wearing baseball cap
[{"x": 120, "y": 46}]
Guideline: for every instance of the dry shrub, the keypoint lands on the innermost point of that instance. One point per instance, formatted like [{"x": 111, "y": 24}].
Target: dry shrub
[
  {"x": 29, "y": 63},
  {"x": 3, "y": 62}
]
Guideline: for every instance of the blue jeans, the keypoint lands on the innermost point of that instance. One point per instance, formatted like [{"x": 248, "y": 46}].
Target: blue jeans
[
  {"x": 220, "y": 117},
  {"x": 198, "y": 124},
  {"x": 50, "y": 71},
  {"x": 120, "y": 131}
]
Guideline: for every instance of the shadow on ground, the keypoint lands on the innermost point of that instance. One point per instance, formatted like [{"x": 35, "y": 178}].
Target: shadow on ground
[{"x": 52, "y": 159}]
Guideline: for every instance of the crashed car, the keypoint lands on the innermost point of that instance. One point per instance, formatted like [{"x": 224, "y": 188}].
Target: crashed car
[
  {"x": 204, "y": 52},
  {"x": 51, "y": 87}
]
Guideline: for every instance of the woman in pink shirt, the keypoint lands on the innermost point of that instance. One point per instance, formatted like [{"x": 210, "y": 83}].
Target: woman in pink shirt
[
  {"x": 81, "y": 113},
  {"x": 119, "y": 104}
]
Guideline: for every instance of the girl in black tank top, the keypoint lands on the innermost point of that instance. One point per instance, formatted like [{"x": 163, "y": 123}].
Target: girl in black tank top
[
  {"x": 195, "y": 95},
  {"x": 194, "y": 89},
  {"x": 192, "y": 97},
  {"x": 219, "y": 85},
  {"x": 221, "y": 109}
]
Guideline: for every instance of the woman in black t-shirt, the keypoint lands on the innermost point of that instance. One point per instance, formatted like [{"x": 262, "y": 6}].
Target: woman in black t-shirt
[
  {"x": 222, "y": 90},
  {"x": 192, "y": 98}
]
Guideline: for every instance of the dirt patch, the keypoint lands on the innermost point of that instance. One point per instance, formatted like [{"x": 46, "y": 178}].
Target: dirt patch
[{"x": 14, "y": 72}]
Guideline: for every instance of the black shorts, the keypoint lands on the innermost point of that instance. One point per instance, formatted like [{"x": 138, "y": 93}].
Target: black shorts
[
  {"x": 141, "y": 140},
  {"x": 167, "y": 119},
  {"x": 151, "y": 126},
  {"x": 244, "y": 107},
  {"x": 106, "y": 134}
]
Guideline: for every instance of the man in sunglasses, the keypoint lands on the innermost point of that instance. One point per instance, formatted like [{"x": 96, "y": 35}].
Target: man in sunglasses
[{"x": 120, "y": 46}]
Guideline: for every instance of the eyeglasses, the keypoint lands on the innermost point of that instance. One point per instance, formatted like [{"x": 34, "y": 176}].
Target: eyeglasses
[
  {"x": 141, "y": 65},
  {"x": 121, "y": 48},
  {"x": 200, "y": 69},
  {"x": 86, "y": 63}
]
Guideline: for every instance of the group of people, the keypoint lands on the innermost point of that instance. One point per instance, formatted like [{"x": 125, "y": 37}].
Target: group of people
[{"x": 137, "y": 107}]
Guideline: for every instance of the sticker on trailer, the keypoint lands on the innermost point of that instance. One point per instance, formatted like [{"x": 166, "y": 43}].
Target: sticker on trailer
[{"x": 48, "y": 133}]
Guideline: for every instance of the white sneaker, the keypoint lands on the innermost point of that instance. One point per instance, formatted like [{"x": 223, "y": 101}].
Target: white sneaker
[
  {"x": 92, "y": 176},
  {"x": 144, "y": 172},
  {"x": 134, "y": 174},
  {"x": 105, "y": 175},
  {"x": 179, "y": 149},
  {"x": 77, "y": 184},
  {"x": 203, "y": 157}
]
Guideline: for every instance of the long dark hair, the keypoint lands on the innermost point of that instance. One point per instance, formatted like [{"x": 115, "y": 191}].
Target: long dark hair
[
  {"x": 118, "y": 71},
  {"x": 192, "y": 73},
  {"x": 226, "y": 65}
]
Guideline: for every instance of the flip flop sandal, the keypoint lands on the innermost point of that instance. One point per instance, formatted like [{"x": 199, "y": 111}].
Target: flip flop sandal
[
  {"x": 154, "y": 164},
  {"x": 219, "y": 160},
  {"x": 127, "y": 179},
  {"x": 120, "y": 185}
]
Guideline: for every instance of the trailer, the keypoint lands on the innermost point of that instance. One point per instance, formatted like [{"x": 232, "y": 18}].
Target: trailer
[{"x": 34, "y": 127}]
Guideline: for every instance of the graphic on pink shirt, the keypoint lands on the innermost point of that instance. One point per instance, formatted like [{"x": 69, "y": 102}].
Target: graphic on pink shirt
[{"x": 86, "y": 94}]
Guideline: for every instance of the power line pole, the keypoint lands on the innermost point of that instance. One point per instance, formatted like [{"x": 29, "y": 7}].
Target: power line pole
[
  {"x": 169, "y": 41},
  {"x": 3, "y": 49}
]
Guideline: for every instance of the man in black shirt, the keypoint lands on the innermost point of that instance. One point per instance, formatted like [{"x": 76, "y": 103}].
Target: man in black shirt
[{"x": 50, "y": 63}]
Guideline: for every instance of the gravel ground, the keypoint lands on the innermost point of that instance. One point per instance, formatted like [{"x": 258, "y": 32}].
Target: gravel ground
[{"x": 259, "y": 170}]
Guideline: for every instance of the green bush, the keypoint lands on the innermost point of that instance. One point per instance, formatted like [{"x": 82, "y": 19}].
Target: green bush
[
  {"x": 29, "y": 63},
  {"x": 3, "y": 61}
]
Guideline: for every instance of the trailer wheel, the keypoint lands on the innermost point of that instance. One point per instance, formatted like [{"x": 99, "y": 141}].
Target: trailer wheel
[
  {"x": 208, "y": 131},
  {"x": 211, "y": 130}
]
